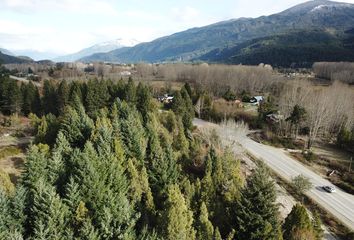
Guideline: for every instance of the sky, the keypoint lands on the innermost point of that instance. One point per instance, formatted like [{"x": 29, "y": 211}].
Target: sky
[{"x": 66, "y": 26}]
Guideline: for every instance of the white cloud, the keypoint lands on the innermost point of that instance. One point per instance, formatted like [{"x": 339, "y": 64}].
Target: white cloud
[
  {"x": 185, "y": 14},
  {"x": 76, "y": 6},
  {"x": 15, "y": 35}
]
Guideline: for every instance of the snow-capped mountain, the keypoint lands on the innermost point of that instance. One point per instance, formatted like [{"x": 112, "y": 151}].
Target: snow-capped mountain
[{"x": 103, "y": 47}]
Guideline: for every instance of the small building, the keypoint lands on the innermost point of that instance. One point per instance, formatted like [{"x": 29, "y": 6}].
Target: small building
[
  {"x": 165, "y": 98},
  {"x": 125, "y": 73}
]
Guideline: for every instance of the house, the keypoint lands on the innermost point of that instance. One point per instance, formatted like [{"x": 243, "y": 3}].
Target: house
[
  {"x": 125, "y": 73},
  {"x": 165, "y": 98},
  {"x": 256, "y": 100}
]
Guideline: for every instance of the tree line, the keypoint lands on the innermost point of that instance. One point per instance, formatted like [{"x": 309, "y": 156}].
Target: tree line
[
  {"x": 106, "y": 164},
  {"x": 340, "y": 71}
]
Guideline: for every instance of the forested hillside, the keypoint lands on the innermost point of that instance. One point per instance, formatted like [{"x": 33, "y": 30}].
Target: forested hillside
[
  {"x": 293, "y": 49},
  {"x": 106, "y": 164},
  {"x": 254, "y": 40}
]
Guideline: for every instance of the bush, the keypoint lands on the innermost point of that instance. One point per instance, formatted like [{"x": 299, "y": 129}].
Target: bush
[
  {"x": 229, "y": 95},
  {"x": 9, "y": 151},
  {"x": 309, "y": 156}
]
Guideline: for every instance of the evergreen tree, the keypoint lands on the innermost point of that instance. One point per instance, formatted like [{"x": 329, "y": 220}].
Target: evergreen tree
[
  {"x": 12, "y": 217},
  {"x": 298, "y": 115},
  {"x": 298, "y": 225},
  {"x": 35, "y": 166},
  {"x": 189, "y": 109},
  {"x": 50, "y": 98},
  {"x": 36, "y": 106},
  {"x": 28, "y": 92},
  {"x": 10, "y": 96},
  {"x": 130, "y": 91},
  {"x": 217, "y": 235},
  {"x": 183, "y": 107},
  {"x": 132, "y": 132},
  {"x": 48, "y": 214},
  {"x": 76, "y": 126},
  {"x": 144, "y": 101},
  {"x": 179, "y": 219},
  {"x": 162, "y": 165},
  {"x": 63, "y": 96},
  {"x": 75, "y": 93},
  {"x": 104, "y": 189},
  {"x": 256, "y": 211},
  {"x": 205, "y": 227},
  {"x": 96, "y": 97}
]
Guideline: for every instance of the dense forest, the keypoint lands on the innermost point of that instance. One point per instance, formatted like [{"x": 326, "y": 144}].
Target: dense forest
[
  {"x": 295, "y": 49},
  {"x": 108, "y": 164}
]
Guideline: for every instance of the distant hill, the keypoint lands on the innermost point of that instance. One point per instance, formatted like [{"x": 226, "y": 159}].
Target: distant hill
[
  {"x": 7, "y": 52},
  {"x": 98, "y": 48},
  {"x": 5, "y": 59},
  {"x": 34, "y": 54},
  {"x": 199, "y": 43}
]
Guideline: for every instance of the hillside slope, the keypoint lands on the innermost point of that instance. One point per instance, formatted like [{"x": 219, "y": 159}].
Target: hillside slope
[
  {"x": 4, "y": 59},
  {"x": 191, "y": 44},
  {"x": 294, "y": 49}
]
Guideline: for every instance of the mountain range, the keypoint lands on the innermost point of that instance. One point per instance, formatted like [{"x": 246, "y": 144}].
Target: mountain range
[
  {"x": 6, "y": 58},
  {"x": 311, "y": 31},
  {"x": 98, "y": 48}
]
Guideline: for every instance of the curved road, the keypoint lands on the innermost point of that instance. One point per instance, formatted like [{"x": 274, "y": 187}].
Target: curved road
[{"x": 339, "y": 203}]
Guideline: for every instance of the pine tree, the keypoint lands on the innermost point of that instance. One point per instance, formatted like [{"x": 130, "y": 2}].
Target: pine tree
[
  {"x": 48, "y": 213},
  {"x": 10, "y": 97},
  {"x": 144, "y": 101},
  {"x": 162, "y": 165},
  {"x": 298, "y": 225},
  {"x": 205, "y": 227},
  {"x": 179, "y": 219},
  {"x": 217, "y": 235},
  {"x": 35, "y": 166},
  {"x": 130, "y": 91},
  {"x": 104, "y": 189},
  {"x": 256, "y": 211},
  {"x": 5, "y": 214},
  {"x": 189, "y": 109},
  {"x": 63, "y": 96},
  {"x": 96, "y": 97},
  {"x": 132, "y": 132},
  {"x": 75, "y": 93},
  {"x": 50, "y": 98},
  {"x": 36, "y": 106},
  {"x": 28, "y": 92},
  {"x": 76, "y": 126}
]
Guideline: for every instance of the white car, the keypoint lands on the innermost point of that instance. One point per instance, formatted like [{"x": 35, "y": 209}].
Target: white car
[{"x": 329, "y": 189}]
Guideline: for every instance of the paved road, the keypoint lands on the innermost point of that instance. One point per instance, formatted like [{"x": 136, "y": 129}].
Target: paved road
[{"x": 339, "y": 204}]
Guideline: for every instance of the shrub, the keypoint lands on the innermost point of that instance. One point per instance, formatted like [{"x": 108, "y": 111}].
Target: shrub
[
  {"x": 9, "y": 151},
  {"x": 309, "y": 156}
]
